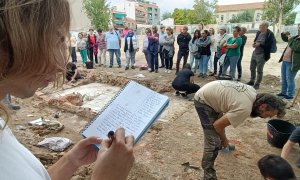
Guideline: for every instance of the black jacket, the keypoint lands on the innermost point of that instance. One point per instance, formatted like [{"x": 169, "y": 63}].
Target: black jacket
[
  {"x": 268, "y": 44},
  {"x": 183, "y": 42}
]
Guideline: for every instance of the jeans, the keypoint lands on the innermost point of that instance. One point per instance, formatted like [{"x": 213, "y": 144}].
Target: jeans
[
  {"x": 83, "y": 54},
  {"x": 153, "y": 60},
  {"x": 130, "y": 58},
  {"x": 203, "y": 64},
  {"x": 117, "y": 52},
  {"x": 192, "y": 58},
  {"x": 102, "y": 56},
  {"x": 212, "y": 141},
  {"x": 211, "y": 62},
  {"x": 239, "y": 66},
  {"x": 147, "y": 57},
  {"x": 288, "y": 79},
  {"x": 181, "y": 54},
  {"x": 161, "y": 55},
  {"x": 216, "y": 59},
  {"x": 232, "y": 62},
  {"x": 168, "y": 60},
  {"x": 257, "y": 64},
  {"x": 73, "y": 55},
  {"x": 189, "y": 88}
]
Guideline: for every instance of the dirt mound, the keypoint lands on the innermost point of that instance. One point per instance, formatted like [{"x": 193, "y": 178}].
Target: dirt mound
[{"x": 271, "y": 80}]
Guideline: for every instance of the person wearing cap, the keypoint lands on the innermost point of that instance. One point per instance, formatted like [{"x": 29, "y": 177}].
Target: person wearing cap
[
  {"x": 183, "y": 40},
  {"x": 162, "y": 35},
  {"x": 221, "y": 39},
  {"x": 220, "y": 104}
]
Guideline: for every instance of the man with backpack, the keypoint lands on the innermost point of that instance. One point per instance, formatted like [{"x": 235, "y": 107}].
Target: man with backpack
[{"x": 264, "y": 44}]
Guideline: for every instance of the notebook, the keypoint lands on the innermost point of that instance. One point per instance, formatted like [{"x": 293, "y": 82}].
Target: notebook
[{"x": 135, "y": 108}]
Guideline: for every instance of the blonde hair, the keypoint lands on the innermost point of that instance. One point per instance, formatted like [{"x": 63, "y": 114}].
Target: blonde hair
[{"x": 32, "y": 38}]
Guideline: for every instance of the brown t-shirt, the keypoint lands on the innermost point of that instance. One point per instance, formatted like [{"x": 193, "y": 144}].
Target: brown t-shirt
[{"x": 230, "y": 97}]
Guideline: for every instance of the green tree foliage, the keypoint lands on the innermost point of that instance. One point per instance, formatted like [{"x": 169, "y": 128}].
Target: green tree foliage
[
  {"x": 166, "y": 15},
  {"x": 203, "y": 11},
  {"x": 245, "y": 16},
  {"x": 289, "y": 19},
  {"x": 275, "y": 10},
  {"x": 98, "y": 12}
]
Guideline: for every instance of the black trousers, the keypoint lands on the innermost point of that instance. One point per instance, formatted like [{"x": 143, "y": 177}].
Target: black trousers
[
  {"x": 239, "y": 66},
  {"x": 185, "y": 56},
  {"x": 162, "y": 56},
  {"x": 73, "y": 55},
  {"x": 168, "y": 60},
  {"x": 188, "y": 87},
  {"x": 91, "y": 55}
]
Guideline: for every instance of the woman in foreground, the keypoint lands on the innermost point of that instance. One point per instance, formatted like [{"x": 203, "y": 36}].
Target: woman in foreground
[{"x": 32, "y": 52}]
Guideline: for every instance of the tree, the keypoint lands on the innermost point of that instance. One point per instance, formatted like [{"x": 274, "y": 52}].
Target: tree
[
  {"x": 205, "y": 11},
  {"x": 179, "y": 16},
  {"x": 245, "y": 16},
  {"x": 289, "y": 19},
  {"x": 166, "y": 15},
  {"x": 275, "y": 10},
  {"x": 98, "y": 12}
]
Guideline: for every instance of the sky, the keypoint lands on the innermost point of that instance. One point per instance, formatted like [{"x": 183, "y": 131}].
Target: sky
[{"x": 170, "y": 5}]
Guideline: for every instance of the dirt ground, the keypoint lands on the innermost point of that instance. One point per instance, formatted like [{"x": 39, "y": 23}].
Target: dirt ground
[{"x": 175, "y": 139}]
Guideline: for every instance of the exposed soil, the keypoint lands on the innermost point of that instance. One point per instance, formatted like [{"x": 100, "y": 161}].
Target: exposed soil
[{"x": 171, "y": 142}]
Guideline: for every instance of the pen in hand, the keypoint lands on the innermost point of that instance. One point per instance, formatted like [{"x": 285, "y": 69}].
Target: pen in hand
[{"x": 111, "y": 136}]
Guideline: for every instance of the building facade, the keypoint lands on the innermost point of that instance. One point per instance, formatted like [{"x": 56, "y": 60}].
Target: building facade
[
  {"x": 143, "y": 12},
  {"x": 118, "y": 18},
  {"x": 227, "y": 12}
]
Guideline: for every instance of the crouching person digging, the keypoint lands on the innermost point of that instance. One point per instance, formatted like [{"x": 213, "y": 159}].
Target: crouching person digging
[
  {"x": 184, "y": 82},
  {"x": 223, "y": 103}
]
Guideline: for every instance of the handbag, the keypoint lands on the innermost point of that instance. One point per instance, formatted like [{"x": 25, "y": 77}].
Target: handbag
[{"x": 222, "y": 59}]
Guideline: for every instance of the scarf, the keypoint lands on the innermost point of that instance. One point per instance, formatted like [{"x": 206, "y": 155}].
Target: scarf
[{"x": 129, "y": 35}]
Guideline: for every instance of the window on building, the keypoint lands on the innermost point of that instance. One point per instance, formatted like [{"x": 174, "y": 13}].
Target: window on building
[
  {"x": 258, "y": 16},
  {"x": 222, "y": 18}
]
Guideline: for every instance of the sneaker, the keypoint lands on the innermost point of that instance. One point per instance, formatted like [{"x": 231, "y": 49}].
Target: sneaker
[
  {"x": 110, "y": 66},
  {"x": 177, "y": 93},
  {"x": 156, "y": 70},
  {"x": 132, "y": 67},
  {"x": 256, "y": 86},
  {"x": 161, "y": 66},
  {"x": 288, "y": 97},
  {"x": 250, "y": 83},
  {"x": 184, "y": 95},
  {"x": 126, "y": 68},
  {"x": 200, "y": 75},
  {"x": 149, "y": 69},
  {"x": 169, "y": 71},
  {"x": 119, "y": 66},
  {"x": 14, "y": 107},
  {"x": 211, "y": 74},
  {"x": 204, "y": 76},
  {"x": 281, "y": 95},
  {"x": 166, "y": 70},
  {"x": 238, "y": 79}
]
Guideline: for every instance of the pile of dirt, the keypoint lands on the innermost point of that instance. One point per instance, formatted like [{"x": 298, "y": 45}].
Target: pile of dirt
[{"x": 271, "y": 80}]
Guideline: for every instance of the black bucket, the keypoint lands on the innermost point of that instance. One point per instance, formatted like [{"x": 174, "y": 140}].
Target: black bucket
[{"x": 279, "y": 132}]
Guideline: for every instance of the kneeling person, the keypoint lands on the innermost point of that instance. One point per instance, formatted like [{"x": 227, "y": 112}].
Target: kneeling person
[
  {"x": 184, "y": 81},
  {"x": 223, "y": 103},
  {"x": 72, "y": 73}
]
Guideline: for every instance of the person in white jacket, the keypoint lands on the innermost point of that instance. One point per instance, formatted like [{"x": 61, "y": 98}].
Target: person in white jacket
[{"x": 130, "y": 48}]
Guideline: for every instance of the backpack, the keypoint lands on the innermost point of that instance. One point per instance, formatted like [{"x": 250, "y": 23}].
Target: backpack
[{"x": 273, "y": 46}]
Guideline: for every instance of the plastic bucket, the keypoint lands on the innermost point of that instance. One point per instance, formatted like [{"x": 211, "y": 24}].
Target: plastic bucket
[{"x": 279, "y": 132}]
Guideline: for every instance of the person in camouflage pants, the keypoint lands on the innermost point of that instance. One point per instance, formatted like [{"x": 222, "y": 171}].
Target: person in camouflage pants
[{"x": 212, "y": 142}]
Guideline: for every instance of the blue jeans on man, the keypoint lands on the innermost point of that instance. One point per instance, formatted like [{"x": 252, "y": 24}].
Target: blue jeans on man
[
  {"x": 287, "y": 79},
  {"x": 117, "y": 52},
  {"x": 232, "y": 62}
]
